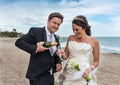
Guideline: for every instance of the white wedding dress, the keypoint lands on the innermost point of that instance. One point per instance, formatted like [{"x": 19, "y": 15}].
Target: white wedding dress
[{"x": 82, "y": 53}]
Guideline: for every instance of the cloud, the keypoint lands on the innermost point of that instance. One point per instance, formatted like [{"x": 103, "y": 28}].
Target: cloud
[{"x": 25, "y": 14}]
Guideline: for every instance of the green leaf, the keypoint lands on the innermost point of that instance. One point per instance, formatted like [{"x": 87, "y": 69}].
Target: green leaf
[
  {"x": 77, "y": 67},
  {"x": 88, "y": 78}
]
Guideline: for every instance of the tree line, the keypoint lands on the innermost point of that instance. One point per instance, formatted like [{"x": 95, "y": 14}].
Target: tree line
[{"x": 13, "y": 33}]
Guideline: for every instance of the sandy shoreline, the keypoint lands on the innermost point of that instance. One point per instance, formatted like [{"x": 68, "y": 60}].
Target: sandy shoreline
[{"x": 14, "y": 62}]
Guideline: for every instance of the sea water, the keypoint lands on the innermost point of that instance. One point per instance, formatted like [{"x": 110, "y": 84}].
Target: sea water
[{"x": 107, "y": 44}]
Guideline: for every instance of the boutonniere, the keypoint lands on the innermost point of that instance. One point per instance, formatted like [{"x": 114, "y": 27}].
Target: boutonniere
[{"x": 58, "y": 38}]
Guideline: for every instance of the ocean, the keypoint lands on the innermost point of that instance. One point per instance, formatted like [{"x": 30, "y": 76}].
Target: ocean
[{"x": 107, "y": 44}]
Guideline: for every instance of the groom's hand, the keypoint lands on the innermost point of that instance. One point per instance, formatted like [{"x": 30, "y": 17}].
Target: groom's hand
[
  {"x": 40, "y": 47},
  {"x": 58, "y": 67}
]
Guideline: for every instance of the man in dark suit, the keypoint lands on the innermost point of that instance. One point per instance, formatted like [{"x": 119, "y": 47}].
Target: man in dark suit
[{"x": 42, "y": 63}]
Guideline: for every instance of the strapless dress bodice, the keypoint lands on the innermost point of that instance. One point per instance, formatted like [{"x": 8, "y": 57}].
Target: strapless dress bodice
[{"x": 82, "y": 52}]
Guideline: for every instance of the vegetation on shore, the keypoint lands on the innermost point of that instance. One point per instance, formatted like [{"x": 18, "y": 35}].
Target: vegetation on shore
[{"x": 13, "y": 33}]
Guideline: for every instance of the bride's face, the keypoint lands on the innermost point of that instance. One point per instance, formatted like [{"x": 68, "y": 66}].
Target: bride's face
[{"x": 77, "y": 30}]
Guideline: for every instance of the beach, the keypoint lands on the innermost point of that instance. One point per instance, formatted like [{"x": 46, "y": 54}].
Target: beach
[{"x": 14, "y": 63}]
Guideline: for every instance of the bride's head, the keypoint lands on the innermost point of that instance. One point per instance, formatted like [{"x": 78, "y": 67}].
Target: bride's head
[{"x": 80, "y": 26}]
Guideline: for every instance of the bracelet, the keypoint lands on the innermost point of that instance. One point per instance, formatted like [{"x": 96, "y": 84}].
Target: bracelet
[{"x": 91, "y": 68}]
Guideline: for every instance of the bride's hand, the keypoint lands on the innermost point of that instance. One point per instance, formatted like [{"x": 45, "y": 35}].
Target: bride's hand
[
  {"x": 86, "y": 73},
  {"x": 88, "y": 70},
  {"x": 60, "y": 52}
]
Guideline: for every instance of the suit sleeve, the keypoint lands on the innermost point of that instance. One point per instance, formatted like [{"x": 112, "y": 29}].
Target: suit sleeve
[
  {"x": 57, "y": 59},
  {"x": 27, "y": 42}
]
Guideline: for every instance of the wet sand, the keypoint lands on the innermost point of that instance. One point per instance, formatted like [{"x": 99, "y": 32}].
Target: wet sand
[{"x": 14, "y": 63}]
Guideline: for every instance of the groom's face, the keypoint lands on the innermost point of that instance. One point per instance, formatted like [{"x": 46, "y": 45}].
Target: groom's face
[{"x": 54, "y": 24}]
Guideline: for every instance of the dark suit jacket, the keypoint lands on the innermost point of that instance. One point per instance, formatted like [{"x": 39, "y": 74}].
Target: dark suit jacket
[{"x": 41, "y": 62}]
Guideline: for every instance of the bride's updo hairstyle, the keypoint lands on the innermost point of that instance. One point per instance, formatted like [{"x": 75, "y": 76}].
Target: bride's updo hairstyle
[{"x": 82, "y": 21}]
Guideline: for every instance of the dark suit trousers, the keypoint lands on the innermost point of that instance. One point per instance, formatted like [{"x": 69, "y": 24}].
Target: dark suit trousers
[{"x": 45, "y": 79}]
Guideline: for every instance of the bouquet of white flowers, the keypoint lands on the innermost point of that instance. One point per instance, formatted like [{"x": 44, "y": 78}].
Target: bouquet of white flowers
[{"x": 73, "y": 64}]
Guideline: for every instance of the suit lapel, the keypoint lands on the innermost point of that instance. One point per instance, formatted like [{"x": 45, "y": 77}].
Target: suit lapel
[
  {"x": 56, "y": 39},
  {"x": 44, "y": 35}
]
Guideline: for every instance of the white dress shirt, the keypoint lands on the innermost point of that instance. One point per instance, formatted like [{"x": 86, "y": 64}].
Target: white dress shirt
[{"x": 48, "y": 34}]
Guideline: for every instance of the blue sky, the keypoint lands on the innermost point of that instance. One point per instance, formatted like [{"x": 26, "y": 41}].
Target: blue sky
[{"x": 103, "y": 15}]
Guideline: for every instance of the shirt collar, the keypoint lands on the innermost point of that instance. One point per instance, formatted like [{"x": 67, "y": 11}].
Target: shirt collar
[{"x": 47, "y": 32}]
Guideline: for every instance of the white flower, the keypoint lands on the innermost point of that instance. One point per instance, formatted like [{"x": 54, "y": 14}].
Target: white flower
[{"x": 73, "y": 64}]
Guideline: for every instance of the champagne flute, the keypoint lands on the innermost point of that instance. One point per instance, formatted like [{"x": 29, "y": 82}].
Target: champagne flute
[{"x": 60, "y": 51}]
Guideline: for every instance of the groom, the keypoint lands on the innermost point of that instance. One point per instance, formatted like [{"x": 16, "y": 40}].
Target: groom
[{"x": 42, "y": 63}]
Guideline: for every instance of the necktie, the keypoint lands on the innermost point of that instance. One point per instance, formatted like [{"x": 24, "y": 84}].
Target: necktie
[
  {"x": 51, "y": 52},
  {"x": 51, "y": 48}
]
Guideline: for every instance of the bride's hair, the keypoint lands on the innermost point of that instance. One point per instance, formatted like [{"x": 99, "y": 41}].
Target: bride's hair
[{"x": 82, "y": 21}]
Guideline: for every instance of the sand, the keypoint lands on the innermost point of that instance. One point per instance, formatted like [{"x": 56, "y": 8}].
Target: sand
[{"x": 14, "y": 63}]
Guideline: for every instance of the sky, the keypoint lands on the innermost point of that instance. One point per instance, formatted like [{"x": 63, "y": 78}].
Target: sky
[{"x": 103, "y": 15}]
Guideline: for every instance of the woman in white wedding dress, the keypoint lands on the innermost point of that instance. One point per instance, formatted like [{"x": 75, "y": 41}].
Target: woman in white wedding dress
[{"x": 85, "y": 50}]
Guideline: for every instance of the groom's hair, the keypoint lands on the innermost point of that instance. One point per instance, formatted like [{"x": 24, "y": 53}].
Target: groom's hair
[{"x": 56, "y": 14}]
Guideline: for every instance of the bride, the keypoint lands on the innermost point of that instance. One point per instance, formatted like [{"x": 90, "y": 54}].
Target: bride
[{"x": 84, "y": 50}]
